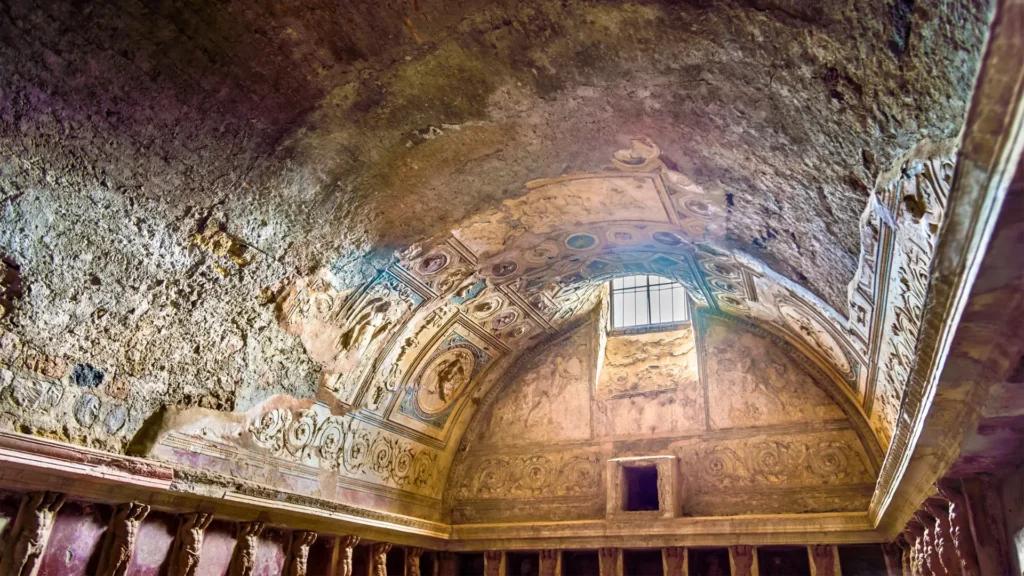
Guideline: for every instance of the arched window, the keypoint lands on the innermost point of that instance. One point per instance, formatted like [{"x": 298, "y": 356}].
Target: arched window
[{"x": 646, "y": 300}]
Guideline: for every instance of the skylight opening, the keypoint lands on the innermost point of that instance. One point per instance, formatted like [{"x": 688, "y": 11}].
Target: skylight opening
[{"x": 646, "y": 300}]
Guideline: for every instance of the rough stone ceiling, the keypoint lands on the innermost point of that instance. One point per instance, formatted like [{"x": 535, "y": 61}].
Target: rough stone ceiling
[{"x": 319, "y": 134}]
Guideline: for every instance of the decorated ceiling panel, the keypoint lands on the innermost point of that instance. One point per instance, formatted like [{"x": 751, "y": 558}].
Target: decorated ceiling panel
[{"x": 409, "y": 354}]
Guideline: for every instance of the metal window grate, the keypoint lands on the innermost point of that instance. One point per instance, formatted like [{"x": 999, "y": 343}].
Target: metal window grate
[{"x": 646, "y": 300}]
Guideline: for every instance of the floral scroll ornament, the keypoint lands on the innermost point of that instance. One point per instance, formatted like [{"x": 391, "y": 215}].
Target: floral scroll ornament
[{"x": 317, "y": 438}]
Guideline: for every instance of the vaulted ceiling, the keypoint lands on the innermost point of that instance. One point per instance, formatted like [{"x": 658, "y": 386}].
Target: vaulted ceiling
[{"x": 318, "y": 237}]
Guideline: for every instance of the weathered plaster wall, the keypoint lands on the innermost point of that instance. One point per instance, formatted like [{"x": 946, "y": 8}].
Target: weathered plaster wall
[
  {"x": 752, "y": 382},
  {"x": 775, "y": 441},
  {"x": 162, "y": 165}
]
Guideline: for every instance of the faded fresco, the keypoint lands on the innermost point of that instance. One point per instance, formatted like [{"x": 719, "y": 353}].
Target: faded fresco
[{"x": 755, "y": 433}]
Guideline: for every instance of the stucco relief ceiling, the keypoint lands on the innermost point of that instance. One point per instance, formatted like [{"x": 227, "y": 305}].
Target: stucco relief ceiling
[
  {"x": 408, "y": 356},
  {"x": 418, "y": 205}
]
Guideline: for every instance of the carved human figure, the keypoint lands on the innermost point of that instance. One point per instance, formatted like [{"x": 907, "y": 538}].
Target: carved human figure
[
  {"x": 379, "y": 558},
  {"x": 119, "y": 541},
  {"x": 370, "y": 322},
  {"x": 960, "y": 527},
  {"x": 343, "y": 559},
  {"x": 549, "y": 562},
  {"x": 893, "y": 554},
  {"x": 674, "y": 560},
  {"x": 243, "y": 559},
  {"x": 742, "y": 560},
  {"x": 906, "y": 546},
  {"x": 26, "y": 541},
  {"x": 609, "y": 561},
  {"x": 412, "y": 561},
  {"x": 931, "y": 551},
  {"x": 943, "y": 538},
  {"x": 918, "y": 565},
  {"x": 824, "y": 560},
  {"x": 492, "y": 562},
  {"x": 188, "y": 543},
  {"x": 298, "y": 553}
]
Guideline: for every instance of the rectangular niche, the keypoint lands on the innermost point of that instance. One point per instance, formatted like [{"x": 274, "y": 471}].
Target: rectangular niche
[
  {"x": 783, "y": 561},
  {"x": 522, "y": 563},
  {"x": 469, "y": 563},
  {"x": 708, "y": 561},
  {"x": 642, "y": 562},
  {"x": 644, "y": 487},
  {"x": 580, "y": 563}
]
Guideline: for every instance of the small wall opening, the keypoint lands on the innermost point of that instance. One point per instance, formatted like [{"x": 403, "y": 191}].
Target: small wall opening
[
  {"x": 642, "y": 563},
  {"x": 641, "y": 488},
  {"x": 580, "y": 563},
  {"x": 522, "y": 563},
  {"x": 783, "y": 561},
  {"x": 708, "y": 561}
]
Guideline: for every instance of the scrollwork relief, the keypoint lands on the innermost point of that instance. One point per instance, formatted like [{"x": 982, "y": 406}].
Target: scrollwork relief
[
  {"x": 921, "y": 196},
  {"x": 317, "y": 438},
  {"x": 504, "y": 477}
]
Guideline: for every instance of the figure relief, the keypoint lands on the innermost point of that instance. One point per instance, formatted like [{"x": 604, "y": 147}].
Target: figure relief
[
  {"x": 931, "y": 552},
  {"x": 959, "y": 527},
  {"x": 412, "y": 561},
  {"x": 26, "y": 540},
  {"x": 742, "y": 559},
  {"x": 188, "y": 544},
  {"x": 893, "y": 554},
  {"x": 298, "y": 553},
  {"x": 243, "y": 559},
  {"x": 344, "y": 546},
  {"x": 675, "y": 561},
  {"x": 379, "y": 558},
  {"x": 824, "y": 560},
  {"x": 609, "y": 561},
  {"x": 549, "y": 560},
  {"x": 119, "y": 540},
  {"x": 372, "y": 320},
  {"x": 943, "y": 538},
  {"x": 918, "y": 564},
  {"x": 492, "y": 562}
]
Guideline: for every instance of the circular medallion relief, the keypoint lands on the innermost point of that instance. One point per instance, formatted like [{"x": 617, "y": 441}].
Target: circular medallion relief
[
  {"x": 667, "y": 238},
  {"x": 444, "y": 378},
  {"x": 697, "y": 207},
  {"x": 581, "y": 241},
  {"x": 503, "y": 269},
  {"x": 504, "y": 319},
  {"x": 433, "y": 263},
  {"x": 623, "y": 236},
  {"x": 542, "y": 253},
  {"x": 486, "y": 307}
]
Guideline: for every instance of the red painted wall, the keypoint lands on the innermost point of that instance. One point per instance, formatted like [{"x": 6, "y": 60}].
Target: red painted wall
[
  {"x": 270, "y": 555},
  {"x": 156, "y": 534},
  {"x": 218, "y": 544},
  {"x": 75, "y": 541}
]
